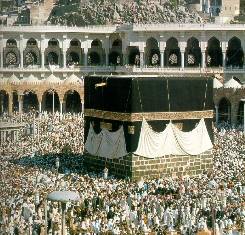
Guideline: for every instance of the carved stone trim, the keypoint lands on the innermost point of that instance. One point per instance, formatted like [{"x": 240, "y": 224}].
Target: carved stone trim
[{"x": 133, "y": 117}]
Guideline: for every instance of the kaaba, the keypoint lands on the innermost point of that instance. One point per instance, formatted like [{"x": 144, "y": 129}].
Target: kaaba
[{"x": 140, "y": 126}]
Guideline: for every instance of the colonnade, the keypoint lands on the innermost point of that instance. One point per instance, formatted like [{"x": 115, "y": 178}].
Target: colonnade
[
  {"x": 10, "y": 133},
  {"x": 56, "y": 103}
]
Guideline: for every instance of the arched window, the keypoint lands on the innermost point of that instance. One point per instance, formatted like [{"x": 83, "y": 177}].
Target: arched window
[
  {"x": 94, "y": 58},
  {"x": 193, "y": 53},
  {"x": 234, "y": 54},
  {"x": 96, "y": 43},
  {"x": 31, "y": 42},
  {"x": 53, "y": 42},
  {"x": 172, "y": 53},
  {"x": 214, "y": 53},
  {"x": 152, "y": 52},
  {"x": 53, "y": 58},
  {"x": 11, "y": 42},
  {"x": 224, "y": 110}
]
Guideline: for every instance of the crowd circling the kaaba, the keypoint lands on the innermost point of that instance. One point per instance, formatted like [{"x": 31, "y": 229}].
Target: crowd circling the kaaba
[{"x": 29, "y": 170}]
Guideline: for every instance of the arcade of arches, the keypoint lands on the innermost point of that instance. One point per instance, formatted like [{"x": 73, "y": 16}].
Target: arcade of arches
[
  {"x": 229, "y": 105},
  {"x": 62, "y": 99},
  {"x": 173, "y": 54}
]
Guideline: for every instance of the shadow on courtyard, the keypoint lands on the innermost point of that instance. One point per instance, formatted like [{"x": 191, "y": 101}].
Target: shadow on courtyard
[{"x": 68, "y": 163}]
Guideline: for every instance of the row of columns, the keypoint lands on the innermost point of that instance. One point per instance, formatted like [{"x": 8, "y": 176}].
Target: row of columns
[
  {"x": 87, "y": 44},
  {"x": 232, "y": 117},
  {"x": 20, "y": 102},
  {"x": 12, "y": 134}
]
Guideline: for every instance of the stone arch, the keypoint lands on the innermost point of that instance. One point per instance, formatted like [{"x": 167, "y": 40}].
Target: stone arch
[
  {"x": 133, "y": 56},
  {"x": 31, "y": 42},
  {"x": 172, "y": 53},
  {"x": 53, "y": 58},
  {"x": 11, "y": 43},
  {"x": 4, "y": 101},
  {"x": 53, "y": 52},
  {"x": 96, "y": 43},
  {"x": 214, "y": 53},
  {"x": 50, "y": 99},
  {"x": 72, "y": 101},
  {"x": 115, "y": 55},
  {"x": 95, "y": 53},
  {"x": 115, "y": 58},
  {"x": 152, "y": 52},
  {"x": 240, "y": 113},
  {"x": 15, "y": 103},
  {"x": 193, "y": 53},
  {"x": 234, "y": 53},
  {"x": 30, "y": 101},
  {"x": 74, "y": 53},
  {"x": 224, "y": 110},
  {"x": 11, "y": 53},
  {"x": 32, "y": 53},
  {"x": 94, "y": 58}
]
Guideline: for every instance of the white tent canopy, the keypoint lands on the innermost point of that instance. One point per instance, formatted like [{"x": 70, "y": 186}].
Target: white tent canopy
[
  {"x": 217, "y": 84},
  {"x": 151, "y": 144},
  {"x": 52, "y": 79},
  {"x": 13, "y": 79},
  {"x": 232, "y": 83},
  {"x": 31, "y": 79},
  {"x": 73, "y": 79},
  {"x": 172, "y": 141},
  {"x": 106, "y": 144}
]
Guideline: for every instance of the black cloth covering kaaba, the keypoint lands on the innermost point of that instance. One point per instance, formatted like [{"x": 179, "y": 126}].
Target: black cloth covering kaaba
[{"x": 147, "y": 94}]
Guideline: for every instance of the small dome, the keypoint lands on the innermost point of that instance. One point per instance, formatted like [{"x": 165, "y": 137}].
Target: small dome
[
  {"x": 73, "y": 79},
  {"x": 30, "y": 79},
  {"x": 233, "y": 83},
  {"x": 52, "y": 79},
  {"x": 217, "y": 84},
  {"x": 13, "y": 80}
]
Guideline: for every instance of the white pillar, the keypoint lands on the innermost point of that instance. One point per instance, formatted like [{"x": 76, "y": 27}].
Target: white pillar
[
  {"x": 216, "y": 114},
  {"x": 203, "y": 59},
  {"x": 20, "y": 99},
  {"x": 224, "y": 59},
  {"x": 10, "y": 103},
  {"x": 53, "y": 101},
  {"x": 82, "y": 104},
  {"x": 42, "y": 59},
  {"x": 182, "y": 59},
  {"x": 1, "y": 51},
  {"x": 142, "y": 62},
  {"x": 40, "y": 107},
  {"x": 42, "y": 49},
  {"x": 107, "y": 57},
  {"x": 243, "y": 100},
  {"x": 162, "y": 58},
  {"x": 85, "y": 56},
  {"x": 64, "y": 58},
  {"x": 61, "y": 106},
  {"x": 21, "y": 51}
]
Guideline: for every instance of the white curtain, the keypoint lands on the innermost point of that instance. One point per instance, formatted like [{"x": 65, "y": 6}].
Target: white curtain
[
  {"x": 106, "y": 144},
  {"x": 172, "y": 141}
]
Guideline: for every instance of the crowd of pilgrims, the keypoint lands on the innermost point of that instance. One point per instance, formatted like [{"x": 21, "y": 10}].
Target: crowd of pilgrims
[{"x": 29, "y": 170}]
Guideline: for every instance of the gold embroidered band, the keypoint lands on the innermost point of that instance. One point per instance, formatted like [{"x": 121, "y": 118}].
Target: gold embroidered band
[{"x": 150, "y": 116}]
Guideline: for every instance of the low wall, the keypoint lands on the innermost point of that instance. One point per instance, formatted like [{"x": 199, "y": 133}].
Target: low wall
[{"x": 136, "y": 167}]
